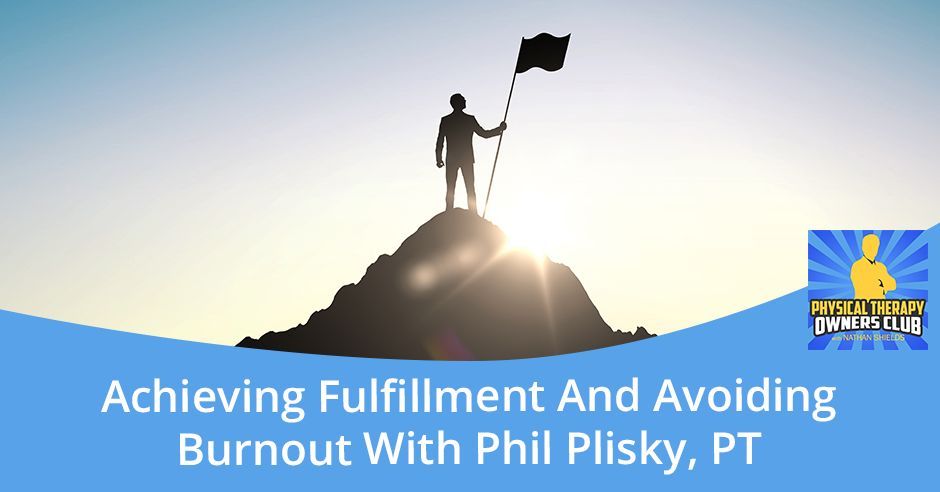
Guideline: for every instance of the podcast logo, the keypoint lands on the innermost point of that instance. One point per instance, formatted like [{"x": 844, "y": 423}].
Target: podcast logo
[{"x": 867, "y": 290}]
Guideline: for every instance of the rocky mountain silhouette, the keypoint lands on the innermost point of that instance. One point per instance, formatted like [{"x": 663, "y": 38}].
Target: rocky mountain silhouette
[{"x": 453, "y": 290}]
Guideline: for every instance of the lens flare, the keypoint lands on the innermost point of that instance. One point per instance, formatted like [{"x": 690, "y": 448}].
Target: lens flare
[{"x": 531, "y": 229}]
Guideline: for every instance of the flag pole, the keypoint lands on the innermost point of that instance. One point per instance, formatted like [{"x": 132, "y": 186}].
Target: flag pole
[{"x": 500, "y": 143}]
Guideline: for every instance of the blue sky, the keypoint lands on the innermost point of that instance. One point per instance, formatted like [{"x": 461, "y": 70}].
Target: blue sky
[{"x": 207, "y": 170}]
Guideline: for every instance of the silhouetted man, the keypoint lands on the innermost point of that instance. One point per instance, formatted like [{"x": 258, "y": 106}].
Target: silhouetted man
[
  {"x": 869, "y": 277},
  {"x": 458, "y": 129}
]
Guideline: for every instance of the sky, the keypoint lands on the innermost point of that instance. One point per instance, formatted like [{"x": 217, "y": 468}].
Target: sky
[{"x": 211, "y": 170}]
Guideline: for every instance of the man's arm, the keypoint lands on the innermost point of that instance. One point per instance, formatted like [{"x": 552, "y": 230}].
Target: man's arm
[
  {"x": 488, "y": 133},
  {"x": 439, "y": 148},
  {"x": 887, "y": 281},
  {"x": 855, "y": 275}
]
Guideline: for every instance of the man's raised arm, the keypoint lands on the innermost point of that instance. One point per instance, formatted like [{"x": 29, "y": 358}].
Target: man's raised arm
[{"x": 488, "y": 133}]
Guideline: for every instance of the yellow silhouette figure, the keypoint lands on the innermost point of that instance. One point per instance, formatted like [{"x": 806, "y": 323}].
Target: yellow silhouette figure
[{"x": 869, "y": 277}]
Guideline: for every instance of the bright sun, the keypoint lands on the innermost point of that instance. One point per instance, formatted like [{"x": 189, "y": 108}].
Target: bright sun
[{"x": 532, "y": 229}]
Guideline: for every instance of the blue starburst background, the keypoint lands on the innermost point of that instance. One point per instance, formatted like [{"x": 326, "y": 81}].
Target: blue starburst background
[{"x": 831, "y": 254}]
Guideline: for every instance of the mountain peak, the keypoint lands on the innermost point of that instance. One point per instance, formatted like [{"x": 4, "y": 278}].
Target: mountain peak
[{"x": 454, "y": 290}]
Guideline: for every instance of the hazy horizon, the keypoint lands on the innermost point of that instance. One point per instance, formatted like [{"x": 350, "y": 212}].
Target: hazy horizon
[{"x": 211, "y": 170}]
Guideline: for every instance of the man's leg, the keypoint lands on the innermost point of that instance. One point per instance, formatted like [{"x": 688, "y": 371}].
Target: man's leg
[
  {"x": 468, "y": 182},
  {"x": 451, "y": 175}
]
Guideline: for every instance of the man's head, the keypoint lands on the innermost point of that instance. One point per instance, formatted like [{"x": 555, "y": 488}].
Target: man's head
[
  {"x": 458, "y": 102},
  {"x": 870, "y": 244}
]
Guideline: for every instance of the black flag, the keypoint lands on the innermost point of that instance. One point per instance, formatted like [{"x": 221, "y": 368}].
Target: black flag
[{"x": 543, "y": 51}]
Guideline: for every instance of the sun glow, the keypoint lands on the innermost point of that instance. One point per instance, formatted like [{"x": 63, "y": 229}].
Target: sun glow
[{"x": 532, "y": 229}]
